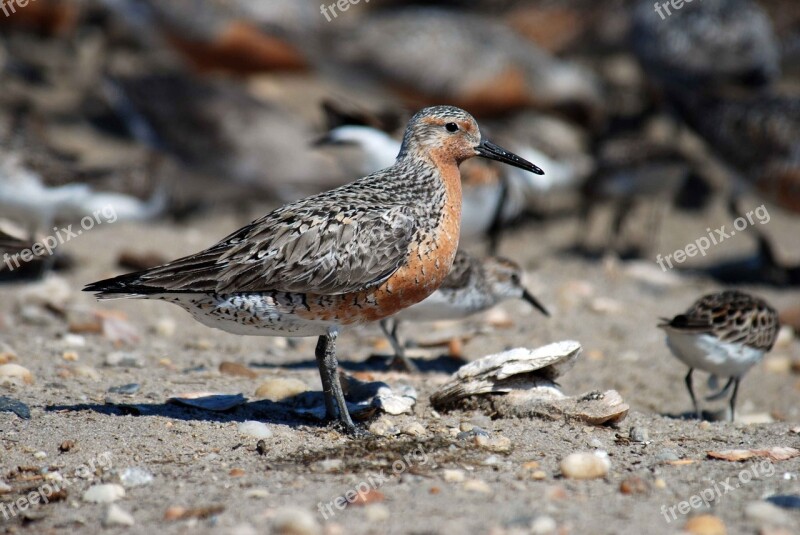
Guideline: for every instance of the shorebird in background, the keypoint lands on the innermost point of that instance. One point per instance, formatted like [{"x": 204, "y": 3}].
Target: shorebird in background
[
  {"x": 358, "y": 253},
  {"x": 725, "y": 334},
  {"x": 473, "y": 285}
]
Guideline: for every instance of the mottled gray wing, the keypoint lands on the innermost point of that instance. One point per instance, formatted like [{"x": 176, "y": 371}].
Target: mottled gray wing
[
  {"x": 309, "y": 251},
  {"x": 324, "y": 254}
]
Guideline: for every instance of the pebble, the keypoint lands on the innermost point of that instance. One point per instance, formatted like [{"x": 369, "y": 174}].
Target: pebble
[
  {"x": 165, "y": 327},
  {"x": 331, "y": 465},
  {"x": 634, "y": 485},
  {"x": 74, "y": 340},
  {"x": 127, "y": 389},
  {"x": 4, "y": 488},
  {"x": 293, "y": 521},
  {"x": 67, "y": 445},
  {"x": 477, "y": 485},
  {"x": 280, "y": 388},
  {"x": 764, "y": 512},
  {"x": 8, "y": 404},
  {"x": 667, "y": 455},
  {"x": 124, "y": 359},
  {"x": 497, "y": 443},
  {"x": 135, "y": 476},
  {"x": 87, "y": 372},
  {"x": 117, "y": 516},
  {"x": 414, "y": 429},
  {"x": 585, "y": 465},
  {"x": 254, "y": 429},
  {"x": 237, "y": 370},
  {"x": 15, "y": 374},
  {"x": 383, "y": 428},
  {"x": 639, "y": 434},
  {"x": 705, "y": 525},
  {"x": 377, "y": 512},
  {"x": 787, "y": 501},
  {"x": 543, "y": 525},
  {"x": 453, "y": 476},
  {"x": 780, "y": 364},
  {"x": 104, "y": 493},
  {"x": 40, "y": 455},
  {"x": 258, "y": 493},
  {"x": 70, "y": 356}
]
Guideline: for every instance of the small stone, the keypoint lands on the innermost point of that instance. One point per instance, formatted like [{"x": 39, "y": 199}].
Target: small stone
[
  {"x": 280, "y": 388},
  {"x": 667, "y": 455},
  {"x": 585, "y": 465},
  {"x": 123, "y": 359},
  {"x": 261, "y": 447},
  {"x": 165, "y": 327},
  {"x": 5, "y": 488},
  {"x": 87, "y": 372},
  {"x": 126, "y": 389},
  {"x": 8, "y": 404},
  {"x": 104, "y": 493},
  {"x": 414, "y": 429},
  {"x": 237, "y": 472},
  {"x": 639, "y": 434},
  {"x": 780, "y": 364},
  {"x": 705, "y": 525},
  {"x": 293, "y": 521},
  {"x": 66, "y": 446},
  {"x": 40, "y": 455},
  {"x": 538, "y": 475},
  {"x": 634, "y": 485},
  {"x": 377, "y": 512},
  {"x": 70, "y": 356},
  {"x": 74, "y": 340},
  {"x": 496, "y": 443},
  {"x": 477, "y": 485},
  {"x": 237, "y": 370},
  {"x": 368, "y": 497},
  {"x": 465, "y": 426},
  {"x": 331, "y": 465},
  {"x": 763, "y": 512},
  {"x": 786, "y": 501},
  {"x": 117, "y": 516},
  {"x": 660, "y": 483},
  {"x": 15, "y": 374},
  {"x": 530, "y": 465},
  {"x": 383, "y": 428},
  {"x": 453, "y": 476},
  {"x": 135, "y": 476},
  {"x": 255, "y": 429},
  {"x": 259, "y": 493},
  {"x": 543, "y": 525}
]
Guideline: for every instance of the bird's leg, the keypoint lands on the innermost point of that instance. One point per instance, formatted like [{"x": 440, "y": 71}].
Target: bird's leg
[
  {"x": 733, "y": 396},
  {"x": 689, "y": 386},
  {"x": 400, "y": 360},
  {"x": 327, "y": 389},
  {"x": 332, "y": 388}
]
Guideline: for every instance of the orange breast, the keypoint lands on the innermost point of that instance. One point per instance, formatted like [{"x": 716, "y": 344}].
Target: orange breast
[{"x": 427, "y": 265}]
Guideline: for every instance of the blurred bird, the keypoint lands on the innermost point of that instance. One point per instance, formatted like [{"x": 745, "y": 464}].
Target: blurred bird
[{"x": 473, "y": 285}]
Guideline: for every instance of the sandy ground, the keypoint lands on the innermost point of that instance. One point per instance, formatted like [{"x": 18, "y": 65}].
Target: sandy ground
[{"x": 200, "y": 460}]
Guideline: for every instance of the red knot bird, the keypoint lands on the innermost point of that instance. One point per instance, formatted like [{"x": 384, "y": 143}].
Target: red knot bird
[
  {"x": 725, "y": 334},
  {"x": 355, "y": 254},
  {"x": 473, "y": 285}
]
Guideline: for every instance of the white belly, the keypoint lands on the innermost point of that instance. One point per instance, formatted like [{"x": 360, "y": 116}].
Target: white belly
[
  {"x": 268, "y": 314},
  {"x": 707, "y": 353}
]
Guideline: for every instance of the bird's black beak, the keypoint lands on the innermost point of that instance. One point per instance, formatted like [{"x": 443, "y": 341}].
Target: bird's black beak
[
  {"x": 527, "y": 296},
  {"x": 491, "y": 151}
]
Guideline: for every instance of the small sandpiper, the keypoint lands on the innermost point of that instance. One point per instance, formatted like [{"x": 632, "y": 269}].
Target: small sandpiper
[
  {"x": 473, "y": 285},
  {"x": 725, "y": 334},
  {"x": 355, "y": 254}
]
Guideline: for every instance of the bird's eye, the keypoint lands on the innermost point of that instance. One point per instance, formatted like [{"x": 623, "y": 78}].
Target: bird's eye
[{"x": 451, "y": 127}]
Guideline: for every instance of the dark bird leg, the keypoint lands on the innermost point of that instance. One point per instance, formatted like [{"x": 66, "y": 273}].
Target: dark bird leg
[
  {"x": 335, "y": 406},
  {"x": 688, "y": 382},
  {"x": 733, "y": 397},
  {"x": 400, "y": 360}
]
